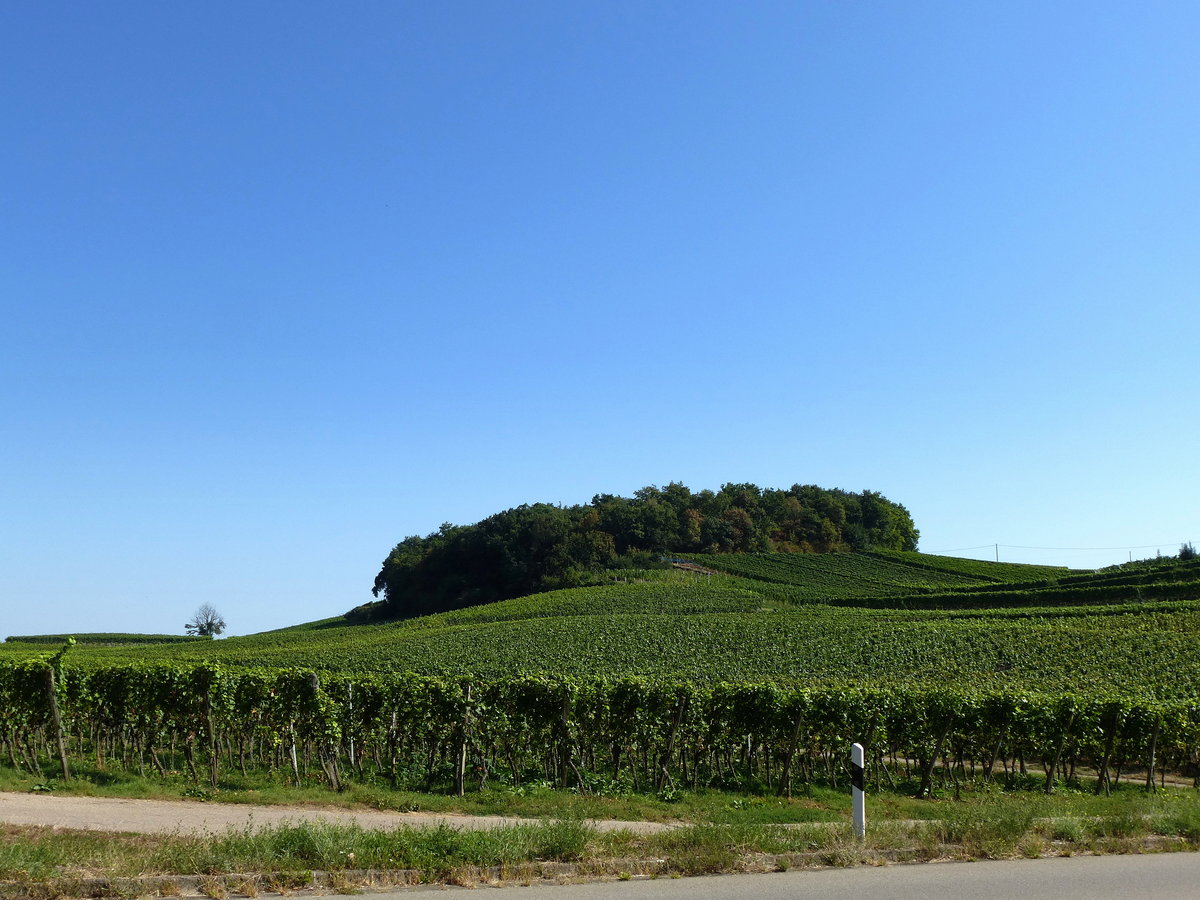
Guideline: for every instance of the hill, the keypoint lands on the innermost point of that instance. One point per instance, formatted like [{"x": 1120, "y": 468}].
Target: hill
[
  {"x": 668, "y": 676},
  {"x": 814, "y": 619},
  {"x": 544, "y": 547}
]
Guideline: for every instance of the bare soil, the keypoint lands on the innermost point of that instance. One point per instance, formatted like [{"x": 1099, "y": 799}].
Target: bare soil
[{"x": 183, "y": 816}]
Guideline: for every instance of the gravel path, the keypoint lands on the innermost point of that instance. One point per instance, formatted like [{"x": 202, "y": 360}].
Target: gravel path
[{"x": 151, "y": 816}]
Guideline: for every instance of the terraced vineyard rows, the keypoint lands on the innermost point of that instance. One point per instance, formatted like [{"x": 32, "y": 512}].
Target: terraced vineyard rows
[
  {"x": 1142, "y": 653},
  {"x": 981, "y": 569},
  {"x": 668, "y": 592},
  {"x": 877, "y": 580},
  {"x": 1056, "y": 654},
  {"x": 829, "y": 576}
]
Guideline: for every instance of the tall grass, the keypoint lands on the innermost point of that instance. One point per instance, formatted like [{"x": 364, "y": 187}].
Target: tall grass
[{"x": 41, "y": 852}]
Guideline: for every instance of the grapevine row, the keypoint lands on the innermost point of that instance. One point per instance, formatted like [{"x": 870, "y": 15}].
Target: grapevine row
[{"x": 574, "y": 732}]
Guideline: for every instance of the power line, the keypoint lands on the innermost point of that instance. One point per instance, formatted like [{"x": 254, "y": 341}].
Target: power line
[
  {"x": 1027, "y": 547},
  {"x": 961, "y": 549},
  {"x": 1140, "y": 547}
]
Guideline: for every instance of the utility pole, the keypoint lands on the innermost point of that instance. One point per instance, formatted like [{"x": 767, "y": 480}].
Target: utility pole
[{"x": 997, "y": 553}]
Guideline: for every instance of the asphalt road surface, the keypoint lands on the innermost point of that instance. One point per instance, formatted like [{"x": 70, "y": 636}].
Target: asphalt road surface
[{"x": 1161, "y": 876}]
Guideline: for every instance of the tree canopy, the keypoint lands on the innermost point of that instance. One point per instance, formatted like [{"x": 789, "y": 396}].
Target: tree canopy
[
  {"x": 205, "y": 621},
  {"x": 543, "y": 546}
]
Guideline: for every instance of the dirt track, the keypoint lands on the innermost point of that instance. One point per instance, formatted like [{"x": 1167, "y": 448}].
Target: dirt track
[{"x": 150, "y": 816}]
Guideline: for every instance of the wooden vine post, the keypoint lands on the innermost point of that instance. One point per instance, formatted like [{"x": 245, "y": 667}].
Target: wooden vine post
[
  {"x": 326, "y": 750},
  {"x": 460, "y": 764},
  {"x": 56, "y": 720},
  {"x": 1066, "y": 734},
  {"x": 1152, "y": 761},
  {"x": 210, "y": 723}
]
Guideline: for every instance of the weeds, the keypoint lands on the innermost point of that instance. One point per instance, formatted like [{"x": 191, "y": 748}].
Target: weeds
[
  {"x": 983, "y": 830},
  {"x": 1184, "y": 823},
  {"x": 212, "y": 888},
  {"x": 987, "y": 824},
  {"x": 1066, "y": 830}
]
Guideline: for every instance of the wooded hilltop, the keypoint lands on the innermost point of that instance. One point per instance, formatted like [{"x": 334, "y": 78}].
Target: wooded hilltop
[{"x": 543, "y": 546}]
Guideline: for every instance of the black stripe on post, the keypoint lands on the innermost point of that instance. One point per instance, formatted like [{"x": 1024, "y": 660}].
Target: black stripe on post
[{"x": 857, "y": 778}]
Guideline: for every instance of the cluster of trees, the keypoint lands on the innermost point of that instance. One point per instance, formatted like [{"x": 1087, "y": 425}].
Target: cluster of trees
[{"x": 543, "y": 547}]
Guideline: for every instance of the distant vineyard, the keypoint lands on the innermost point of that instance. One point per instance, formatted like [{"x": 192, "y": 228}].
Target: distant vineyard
[
  {"x": 827, "y": 576},
  {"x": 106, "y": 639},
  {"x": 1144, "y": 651},
  {"x": 895, "y": 580},
  {"x": 998, "y": 597},
  {"x": 981, "y": 569},
  {"x": 662, "y": 594}
]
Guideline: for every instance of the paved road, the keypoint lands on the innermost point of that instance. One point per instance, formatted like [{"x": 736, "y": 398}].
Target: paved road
[
  {"x": 149, "y": 816},
  {"x": 1162, "y": 876}
]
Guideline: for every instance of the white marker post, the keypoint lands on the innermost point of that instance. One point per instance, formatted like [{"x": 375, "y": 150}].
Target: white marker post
[{"x": 858, "y": 788}]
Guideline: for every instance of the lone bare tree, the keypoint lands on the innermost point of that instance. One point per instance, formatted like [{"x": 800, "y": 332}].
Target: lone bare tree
[{"x": 206, "y": 621}]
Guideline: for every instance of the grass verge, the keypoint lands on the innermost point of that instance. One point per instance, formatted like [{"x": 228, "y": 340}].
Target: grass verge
[
  {"x": 534, "y": 800},
  {"x": 43, "y": 862}
]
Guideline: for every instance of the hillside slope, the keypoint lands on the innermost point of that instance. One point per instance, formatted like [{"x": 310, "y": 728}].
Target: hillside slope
[
  {"x": 1065, "y": 631},
  {"x": 543, "y": 546}
]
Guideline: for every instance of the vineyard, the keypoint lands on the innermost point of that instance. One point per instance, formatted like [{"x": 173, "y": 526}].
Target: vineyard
[
  {"x": 111, "y": 640},
  {"x": 1030, "y": 649},
  {"x": 830, "y": 576},
  {"x": 761, "y": 674},
  {"x": 655, "y": 733},
  {"x": 978, "y": 569}
]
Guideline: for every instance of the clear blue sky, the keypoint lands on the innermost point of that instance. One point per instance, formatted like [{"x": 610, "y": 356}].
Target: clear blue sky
[{"x": 283, "y": 283}]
